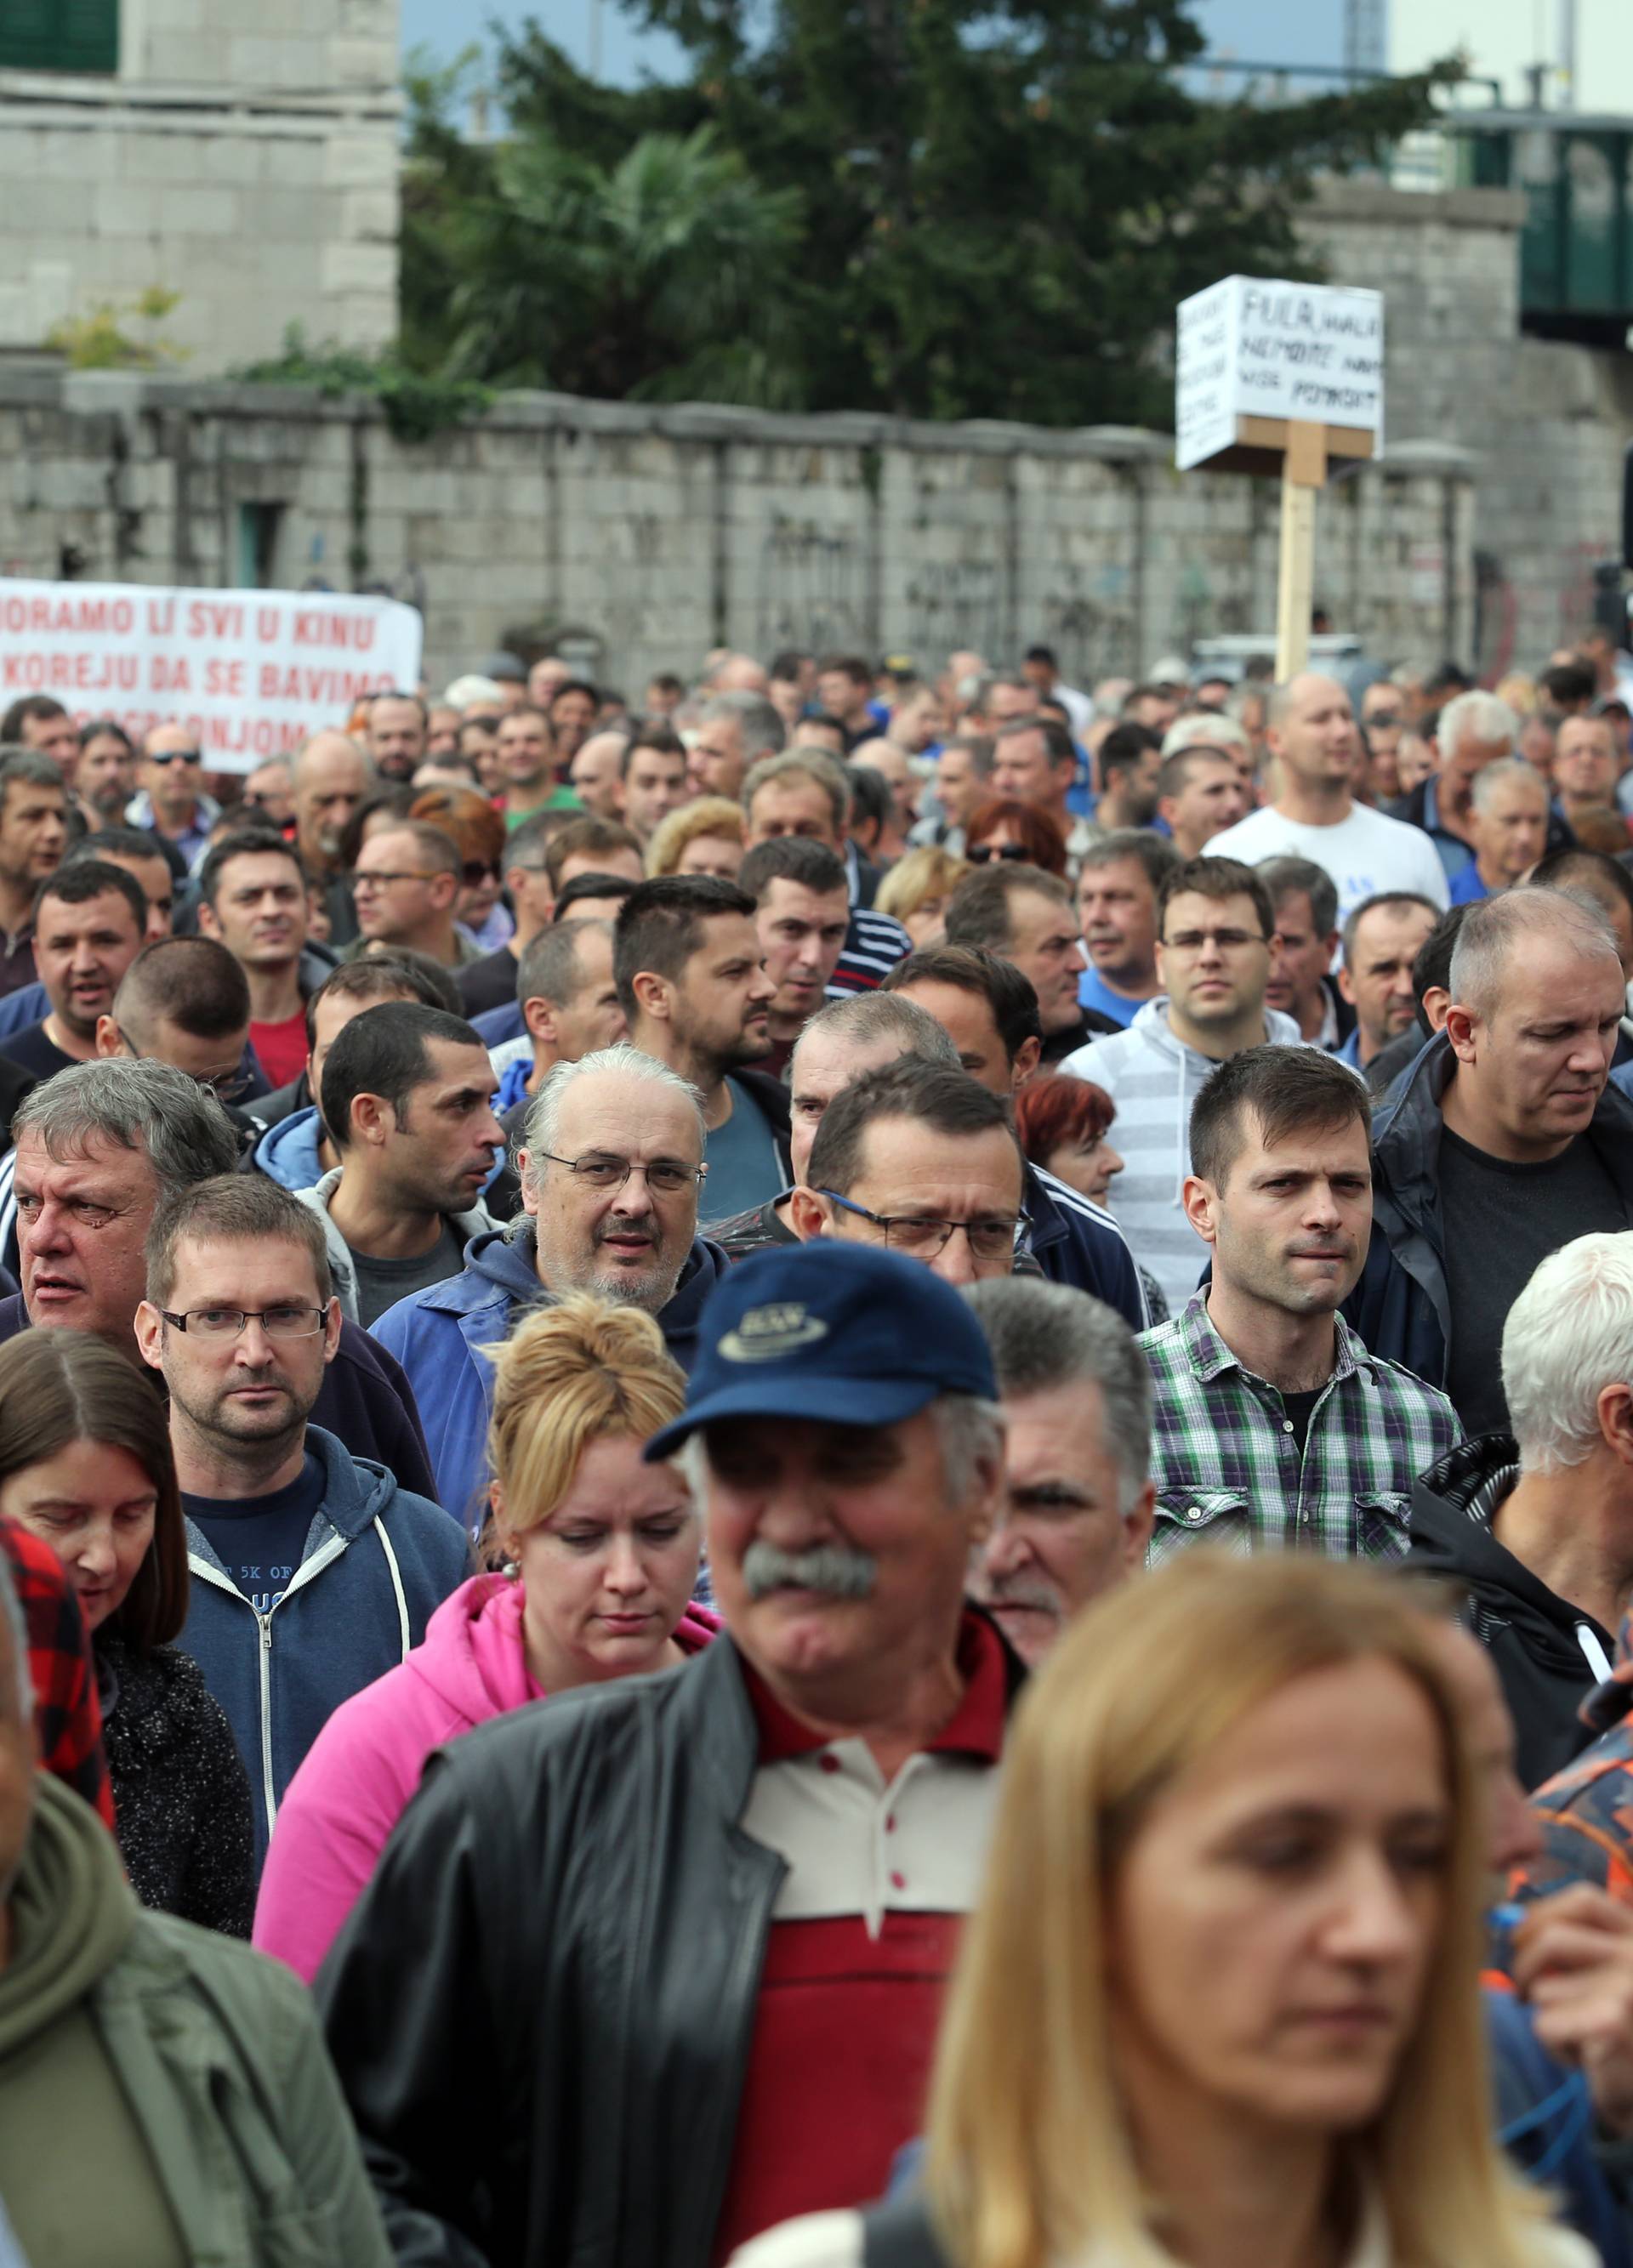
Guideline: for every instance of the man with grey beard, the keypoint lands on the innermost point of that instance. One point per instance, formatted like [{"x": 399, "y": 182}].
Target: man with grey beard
[{"x": 704, "y": 1919}]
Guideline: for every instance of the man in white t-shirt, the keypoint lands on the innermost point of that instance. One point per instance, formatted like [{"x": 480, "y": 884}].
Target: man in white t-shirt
[{"x": 1311, "y": 731}]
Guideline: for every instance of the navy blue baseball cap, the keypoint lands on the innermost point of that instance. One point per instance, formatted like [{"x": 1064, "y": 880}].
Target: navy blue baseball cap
[{"x": 848, "y": 1334}]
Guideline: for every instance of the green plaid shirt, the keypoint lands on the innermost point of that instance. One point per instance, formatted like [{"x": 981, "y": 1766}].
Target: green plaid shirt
[{"x": 1225, "y": 1458}]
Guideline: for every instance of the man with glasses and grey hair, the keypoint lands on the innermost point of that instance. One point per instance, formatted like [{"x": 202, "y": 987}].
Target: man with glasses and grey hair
[
  {"x": 313, "y": 1572},
  {"x": 1077, "y": 1495},
  {"x": 611, "y": 1172}
]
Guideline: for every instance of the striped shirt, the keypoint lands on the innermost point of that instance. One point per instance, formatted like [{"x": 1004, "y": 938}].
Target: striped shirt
[
  {"x": 1226, "y": 1462},
  {"x": 873, "y": 945}
]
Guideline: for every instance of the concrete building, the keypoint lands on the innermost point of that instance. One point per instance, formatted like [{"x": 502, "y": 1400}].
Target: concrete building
[
  {"x": 1580, "y": 48},
  {"x": 241, "y": 155}
]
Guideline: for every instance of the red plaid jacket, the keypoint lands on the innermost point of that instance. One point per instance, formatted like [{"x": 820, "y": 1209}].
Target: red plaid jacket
[{"x": 67, "y": 1715}]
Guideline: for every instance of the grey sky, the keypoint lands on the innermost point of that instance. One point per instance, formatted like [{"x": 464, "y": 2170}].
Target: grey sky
[{"x": 1267, "y": 30}]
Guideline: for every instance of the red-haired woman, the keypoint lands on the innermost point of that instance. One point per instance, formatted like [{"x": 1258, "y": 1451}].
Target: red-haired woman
[{"x": 1064, "y": 1124}]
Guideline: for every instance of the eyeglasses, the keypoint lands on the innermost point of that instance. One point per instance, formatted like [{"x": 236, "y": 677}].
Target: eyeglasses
[
  {"x": 227, "y": 1322},
  {"x": 980, "y": 853},
  {"x": 178, "y": 756},
  {"x": 666, "y": 1177},
  {"x": 993, "y": 1238},
  {"x": 377, "y": 880},
  {"x": 1228, "y": 940}
]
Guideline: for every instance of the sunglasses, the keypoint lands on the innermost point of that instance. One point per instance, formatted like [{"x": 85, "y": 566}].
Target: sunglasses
[
  {"x": 980, "y": 853},
  {"x": 179, "y": 756},
  {"x": 474, "y": 871}
]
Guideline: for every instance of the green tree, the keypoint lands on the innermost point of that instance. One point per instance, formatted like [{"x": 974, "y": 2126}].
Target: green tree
[
  {"x": 999, "y": 202},
  {"x": 643, "y": 267}
]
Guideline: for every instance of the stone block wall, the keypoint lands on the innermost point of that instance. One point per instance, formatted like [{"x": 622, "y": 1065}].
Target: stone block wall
[
  {"x": 637, "y": 538},
  {"x": 244, "y": 156},
  {"x": 1547, "y": 423}
]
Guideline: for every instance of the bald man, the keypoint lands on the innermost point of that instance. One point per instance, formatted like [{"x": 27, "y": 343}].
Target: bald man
[
  {"x": 1309, "y": 729},
  {"x": 332, "y": 777}
]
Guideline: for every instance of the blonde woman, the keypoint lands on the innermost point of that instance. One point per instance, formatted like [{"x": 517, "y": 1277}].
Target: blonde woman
[
  {"x": 1219, "y": 2003},
  {"x": 916, "y": 890},
  {"x": 591, "y": 1556},
  {"x": 704, "y": 837}
]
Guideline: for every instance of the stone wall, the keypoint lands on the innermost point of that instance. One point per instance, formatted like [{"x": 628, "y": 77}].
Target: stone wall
[
  {"x": 243, "y": 156},
  {"x": 640, "y": 537},
  {"x": 1547, "y": 423}
]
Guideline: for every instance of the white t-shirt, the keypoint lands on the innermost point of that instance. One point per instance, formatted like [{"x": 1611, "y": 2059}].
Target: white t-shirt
[{"x": 1364, "y": 854}]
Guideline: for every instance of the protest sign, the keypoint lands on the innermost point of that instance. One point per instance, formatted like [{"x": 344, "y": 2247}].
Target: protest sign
[
  {"x": 1248, "y": 349},
  {"x": 251, "y": 674}
]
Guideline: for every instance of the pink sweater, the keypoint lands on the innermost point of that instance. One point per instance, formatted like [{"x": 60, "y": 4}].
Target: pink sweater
[{"x": 358, "y": 1774}]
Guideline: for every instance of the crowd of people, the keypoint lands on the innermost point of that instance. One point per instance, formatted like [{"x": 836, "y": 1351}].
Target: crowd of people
[{"x": 922, "y": 1556}]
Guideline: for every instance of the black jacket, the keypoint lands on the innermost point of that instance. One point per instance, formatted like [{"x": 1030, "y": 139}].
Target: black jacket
[
  {"x": 366, "y": 1401},
  {"x": 181, "y": 1795},
  {"x": 1401, "y": 1305},
  {"x": 1535, "y": 1638},
  {"x": 540, "y": 2008}
]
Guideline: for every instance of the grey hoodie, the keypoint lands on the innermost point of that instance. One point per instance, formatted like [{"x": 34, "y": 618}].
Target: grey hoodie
[
  {"x": 1153, "y": 1079},
  {"x": 464, "y": 1225}
]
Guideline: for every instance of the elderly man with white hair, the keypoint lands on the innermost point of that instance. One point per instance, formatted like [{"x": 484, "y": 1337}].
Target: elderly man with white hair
[
  {"x": 1534, "y": 1528},
  {"x": 611, "y": 1173},
  {"x": 1473, "y": 731},
  {"x": 1508, "y": 827}
]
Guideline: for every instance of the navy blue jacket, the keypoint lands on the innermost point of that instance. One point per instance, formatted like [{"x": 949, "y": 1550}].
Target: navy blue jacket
[
  {"x": 1402, "y": 1307},
  {"x": 378, "y": 1564},
  {"x": 1074, "y": 1242}
]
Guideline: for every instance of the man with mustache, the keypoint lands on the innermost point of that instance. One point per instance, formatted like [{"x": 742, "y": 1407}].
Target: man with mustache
[
  {"x": 612, "y": 1165},
  {"x": 1275, "y": 1426},
  {"x": 1076, "y": 1398},
  {"x": 703, "y": 1920}
]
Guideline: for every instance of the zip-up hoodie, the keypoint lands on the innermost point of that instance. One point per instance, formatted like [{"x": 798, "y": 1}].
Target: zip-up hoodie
[
  {"x": 377, "y": 1563},
  {"x": 438, "y": 1336},
  {"x": 287, "y": 1152},
  {"x": 1153, "y": 1079},
  {"x": 366, "y": 1762},
  {"x": 1548, "y": 1654},
  {"x": 477, "y": 1222}
]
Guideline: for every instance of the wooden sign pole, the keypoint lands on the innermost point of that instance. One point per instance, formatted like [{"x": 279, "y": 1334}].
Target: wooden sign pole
[{"x": 1304, "y": 471}]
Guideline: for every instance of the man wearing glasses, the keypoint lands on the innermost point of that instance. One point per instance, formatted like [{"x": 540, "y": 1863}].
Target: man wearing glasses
[
  {"x": 405, "y": 883},
  {"x": 611, "y": 1169},
  {"x": 921, "y": 1160},
  {"x": 313, "y": 1572},
  {"x": 170, "y": 801},
  {"x": 1214, "y": 927}
]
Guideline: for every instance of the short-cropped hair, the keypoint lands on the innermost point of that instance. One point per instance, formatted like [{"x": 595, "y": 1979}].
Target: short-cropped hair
[
  {"x": 864, "y": 1017},
  {"x": 1498, "y": 927},
  {"x": 972, "y": 968},
  {"x": 1568, "y": 1335},
  {"x": 1491, "y": 777},
  {"x": 760, "y": 729},
  {"x": 232, "y": 1209},
  {"x": 549, "y": 967},
  {"x": 244, "y": 843},
  {"x": 660, "y": 925},
  {"x": 1156, "y": 855},
  {"x": 1048, "y": 1336},
  {"x": 149, "y": 1107},
  {"x": 1288, "y": 878},
  {"x": 1126, "y": 746},
  {"x": 193, "y": 982},
  {"x": 802, "y": 764},
  {"x": 28, "y": 768},
  {"x": 93, "y": 877},
  {"x": 400, "y": 974},
  {"x": 1595, "y": 872},
  {"x": 438, "y": 852},
  {"x": 978, "y": 912},
  {"x": 385, "y": 1051},
  {"x": 598, "y": 886},
  {"x": 1287, "y": 1089},
  {"x": 1380, "y": 898},
  {"x": 590, "y": 836},
  {"x": 1216, "y": 880},
  {"x": 947, "y": 1103},
  {"x": 791, "y": 858}
]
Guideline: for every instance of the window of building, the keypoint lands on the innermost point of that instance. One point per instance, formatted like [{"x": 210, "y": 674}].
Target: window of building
[{"x": 64, "y": 35}]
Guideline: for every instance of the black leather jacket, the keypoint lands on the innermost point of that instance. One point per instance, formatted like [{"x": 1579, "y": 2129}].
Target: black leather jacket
[{"x": 540, "y": 2008}]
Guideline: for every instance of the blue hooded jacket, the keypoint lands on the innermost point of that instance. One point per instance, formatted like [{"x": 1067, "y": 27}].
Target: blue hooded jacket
[
  {"x": 378, "y": 1563},
  {"x": 436, "y": 1335},
  {"x": 287, "y": 1152}
]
